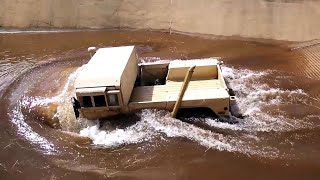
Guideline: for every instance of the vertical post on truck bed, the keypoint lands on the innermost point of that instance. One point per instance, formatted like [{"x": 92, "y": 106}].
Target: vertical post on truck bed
[{"x": 182, "y": 91}]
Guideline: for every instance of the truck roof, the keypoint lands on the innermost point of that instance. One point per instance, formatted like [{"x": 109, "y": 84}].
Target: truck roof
[{"x": 105, "y": 68}]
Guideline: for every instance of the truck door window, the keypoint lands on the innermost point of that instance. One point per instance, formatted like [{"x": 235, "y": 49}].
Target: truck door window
[
  {"x": 86, "y": 101},
  {"x": 113, "y": 100},
  {"x": 99, "y": 101}
]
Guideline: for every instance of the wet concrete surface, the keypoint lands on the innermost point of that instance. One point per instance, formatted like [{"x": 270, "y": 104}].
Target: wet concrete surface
[{"x": 279, "y": 138}]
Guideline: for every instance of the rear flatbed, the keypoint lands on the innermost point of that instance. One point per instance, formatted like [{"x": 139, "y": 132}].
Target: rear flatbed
[{"x": 164, "y": 96}]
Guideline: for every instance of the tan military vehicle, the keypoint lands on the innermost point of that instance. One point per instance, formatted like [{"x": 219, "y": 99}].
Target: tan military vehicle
[{"x": 113, "y": 82}]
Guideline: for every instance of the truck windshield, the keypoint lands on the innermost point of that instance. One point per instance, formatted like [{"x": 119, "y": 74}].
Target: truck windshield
[
  {"x": 87, "y": 101},
  {"x": 99, "y": 101}
]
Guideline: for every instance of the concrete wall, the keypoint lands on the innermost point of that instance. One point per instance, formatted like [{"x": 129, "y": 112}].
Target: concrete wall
[{"x": 295, "y": 20}]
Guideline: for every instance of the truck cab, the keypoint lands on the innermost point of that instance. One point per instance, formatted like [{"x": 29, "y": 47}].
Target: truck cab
[{"x": 104, "y": 86}]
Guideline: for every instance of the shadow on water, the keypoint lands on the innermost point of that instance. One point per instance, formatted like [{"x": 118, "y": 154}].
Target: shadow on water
[
  {"x": 192, "y": 116},
  {"x": 121, "y": 121},
  {"x": 198, "y": 117}
]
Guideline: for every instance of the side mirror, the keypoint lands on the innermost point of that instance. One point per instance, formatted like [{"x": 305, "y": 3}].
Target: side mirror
[{"x": 92, "y": 50}]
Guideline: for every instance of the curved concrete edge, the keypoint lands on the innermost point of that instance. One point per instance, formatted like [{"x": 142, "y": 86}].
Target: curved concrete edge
[{"x": 267, "y": 19}]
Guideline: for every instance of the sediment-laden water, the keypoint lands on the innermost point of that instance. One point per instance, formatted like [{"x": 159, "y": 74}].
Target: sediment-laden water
[{"x": 40, "y": 138}]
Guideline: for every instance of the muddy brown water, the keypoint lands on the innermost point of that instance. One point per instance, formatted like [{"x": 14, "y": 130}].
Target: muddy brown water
[{"x": 39, "y": 139}]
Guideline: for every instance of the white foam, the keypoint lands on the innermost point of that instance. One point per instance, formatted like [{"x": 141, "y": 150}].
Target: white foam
[
  {"x": 222, "y": 125},
  {"x": 17, "y": 117},
  {"x": 64, "y": 95},
  {"x": 65, "y": 112},
  {"x": 151, "y": 125},
  {"x": 253, "y": 96},
  {"x": 130, "y": 135},
  {"x": 155, "y": 123},
  {"x": 23, "y": 129}
]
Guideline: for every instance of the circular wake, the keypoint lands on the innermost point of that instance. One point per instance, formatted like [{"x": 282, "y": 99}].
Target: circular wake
[{"x": 258, "y": 101}]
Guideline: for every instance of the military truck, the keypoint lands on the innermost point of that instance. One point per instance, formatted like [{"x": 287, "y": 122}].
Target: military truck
[{"x": 114, "y": 82}]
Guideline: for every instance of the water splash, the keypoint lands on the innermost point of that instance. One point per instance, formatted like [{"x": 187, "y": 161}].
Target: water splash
[
  {"x": 64, "y": 112},
  {"x": 63, "y": 97},
  {"x": 153, "y": 124},
  {"x": 253, "y": 97},
  {"x": 23, "y": 129}
]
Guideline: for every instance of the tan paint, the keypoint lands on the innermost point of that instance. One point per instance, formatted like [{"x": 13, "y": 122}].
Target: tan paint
[
  {"x": 109, "y": 64},
  {"x": 200, "y": 73},
  {"x": 200, "y": 93},
  {"x": 129, "y": 77},
  {"x": 184, "y": 87},
  {"x": 202, "y": 87}
]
